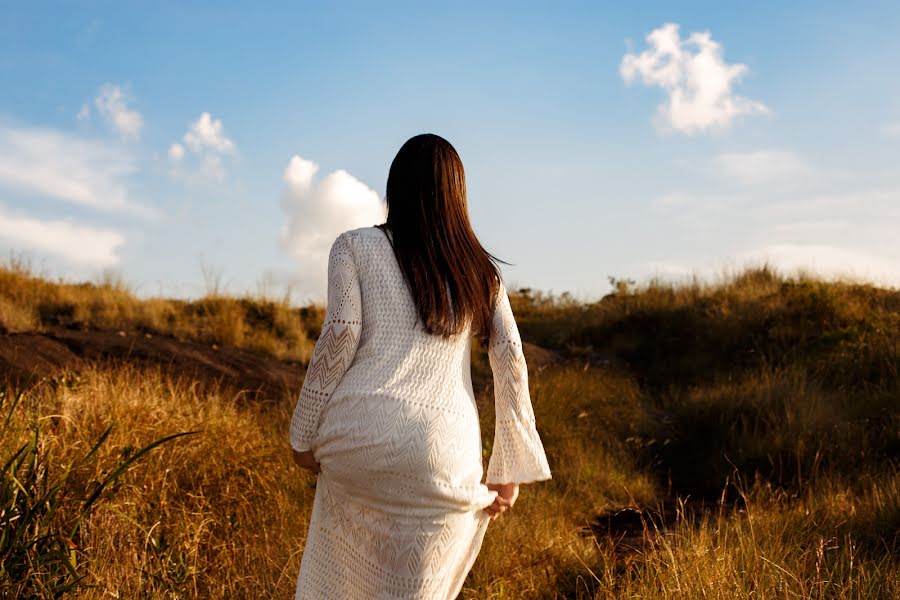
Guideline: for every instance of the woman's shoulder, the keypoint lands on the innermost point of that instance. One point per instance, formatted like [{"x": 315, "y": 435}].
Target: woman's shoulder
[
  {"x": 355, "y": 239},
  {"x": 361, "y": 233}
]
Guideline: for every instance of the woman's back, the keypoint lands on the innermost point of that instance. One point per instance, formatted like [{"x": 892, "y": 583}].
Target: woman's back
[
  {"x": 389, "y": 413},
  {"x": 406, "y": 393},
  {"x": 386, "y": 411},
  {"x": 395, "y": 356}
]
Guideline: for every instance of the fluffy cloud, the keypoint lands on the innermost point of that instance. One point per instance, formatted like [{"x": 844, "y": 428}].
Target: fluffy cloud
[
  {"x": 50, "y": 163},
  {"x": 695, "y": 77},
  {"x": 206, "y": 139},
  {"x": 826, "y": 224},
  {"x": 75, "y": 243},
  {"x": 208, "y": 133},
  {"x": 112, "y": 104},
  {"x": 828, "y": 260},
  {"x": 317, "y": 212},
  {"x": 211, "y": 166},
  {"x": 817, "y": 259},
  {"x": 176, "y": 151}
]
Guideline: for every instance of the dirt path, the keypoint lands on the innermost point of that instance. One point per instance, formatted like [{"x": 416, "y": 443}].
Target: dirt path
[{"x": 58, "y": 350}]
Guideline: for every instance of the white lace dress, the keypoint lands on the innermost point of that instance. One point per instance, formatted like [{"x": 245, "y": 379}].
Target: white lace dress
[{"x": 389, "y": 413}]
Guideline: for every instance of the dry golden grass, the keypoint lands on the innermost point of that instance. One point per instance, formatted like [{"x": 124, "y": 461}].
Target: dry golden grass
[
  {"x": 223, "y": 513},
  {"x": 776, "y": 546},
  {"x": 218, "y": 514},
  {"x": 836, "y": 534},
  {"x": 272, "y": 326},
  {"x": 779, "y": 394}
]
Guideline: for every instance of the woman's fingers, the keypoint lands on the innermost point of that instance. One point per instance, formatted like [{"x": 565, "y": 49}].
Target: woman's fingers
[
  {"x": 498, "y": 507},
  {"x": 311, "y": 465},
  {"x": 306, "y": 460},
  {"x": 493, "y": 515}
]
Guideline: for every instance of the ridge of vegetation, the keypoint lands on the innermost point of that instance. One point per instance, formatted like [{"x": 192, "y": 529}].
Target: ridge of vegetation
[{"x": 707, "y": 440}]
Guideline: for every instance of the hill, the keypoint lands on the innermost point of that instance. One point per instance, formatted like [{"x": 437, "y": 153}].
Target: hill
[{"x": 725, "y": 439}]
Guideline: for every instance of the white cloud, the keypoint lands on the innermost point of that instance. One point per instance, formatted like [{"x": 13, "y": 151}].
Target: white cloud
[
  {"x": 207, "y": 133},
  {"x": 176, "y": 151},
  {"x": 317, "y": 212},
  {"x": 817, "y": 259},
  {"x": 212, "y": 166},
  {"x": 812, "y": 227},
  {"x": 762, "y": 166},
  {"x": 848, "y": 232},
  {"x": 696, "y": 78},
  {"x": 112, "y": 104},
  {"x": 206, "y": 140},
  {"x": 84, "y": 113},
  {"x": 891, "y": 129},
  {"x": 75, "y": 243},
  {"x": 53, "y": 164},
  {"x": 829, "y": 261}
]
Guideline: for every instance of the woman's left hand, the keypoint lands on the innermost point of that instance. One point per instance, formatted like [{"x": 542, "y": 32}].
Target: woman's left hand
[{"x": 306, "y": 460}]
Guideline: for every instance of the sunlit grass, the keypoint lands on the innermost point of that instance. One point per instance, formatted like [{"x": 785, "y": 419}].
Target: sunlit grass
[
  {"x": 269, "y": 325},
  {"x": 219, "y": 514},
  {"x": 223, "y": 513},
  {"x": 758, "y": 413}
]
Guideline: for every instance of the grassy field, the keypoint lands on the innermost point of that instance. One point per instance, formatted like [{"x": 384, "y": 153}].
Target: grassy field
[
  {"x": 267, "y": 324},
  {"x": 730, "y": 440}
]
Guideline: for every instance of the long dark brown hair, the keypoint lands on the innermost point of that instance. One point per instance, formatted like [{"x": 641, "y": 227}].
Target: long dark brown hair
[{"x": 452, "y": 278}]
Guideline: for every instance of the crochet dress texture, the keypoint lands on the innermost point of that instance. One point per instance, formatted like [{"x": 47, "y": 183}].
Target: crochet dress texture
[{"x": 389, "y": 412}]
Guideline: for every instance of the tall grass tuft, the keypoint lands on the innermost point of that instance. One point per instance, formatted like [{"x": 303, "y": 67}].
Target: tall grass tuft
[{"x": 41, "y": 511}]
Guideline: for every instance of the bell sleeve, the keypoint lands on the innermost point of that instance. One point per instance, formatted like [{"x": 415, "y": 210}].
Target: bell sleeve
[
  {"x": 518, "y": 454},
  {"x": 336, "y": 346}
]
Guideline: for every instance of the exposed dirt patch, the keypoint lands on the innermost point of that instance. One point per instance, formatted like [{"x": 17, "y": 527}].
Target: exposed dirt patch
[
  {"x": 630, "y": 530},
  {"x": 537, "y": 356},
  {"x": 60, "y": 350}
]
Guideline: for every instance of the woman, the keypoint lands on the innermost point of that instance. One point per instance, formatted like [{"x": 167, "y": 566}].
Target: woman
[{"x": 387, "y": 416}]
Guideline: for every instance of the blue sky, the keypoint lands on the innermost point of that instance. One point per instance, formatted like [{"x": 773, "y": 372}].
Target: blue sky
[{"x": 159, "y": 141}]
